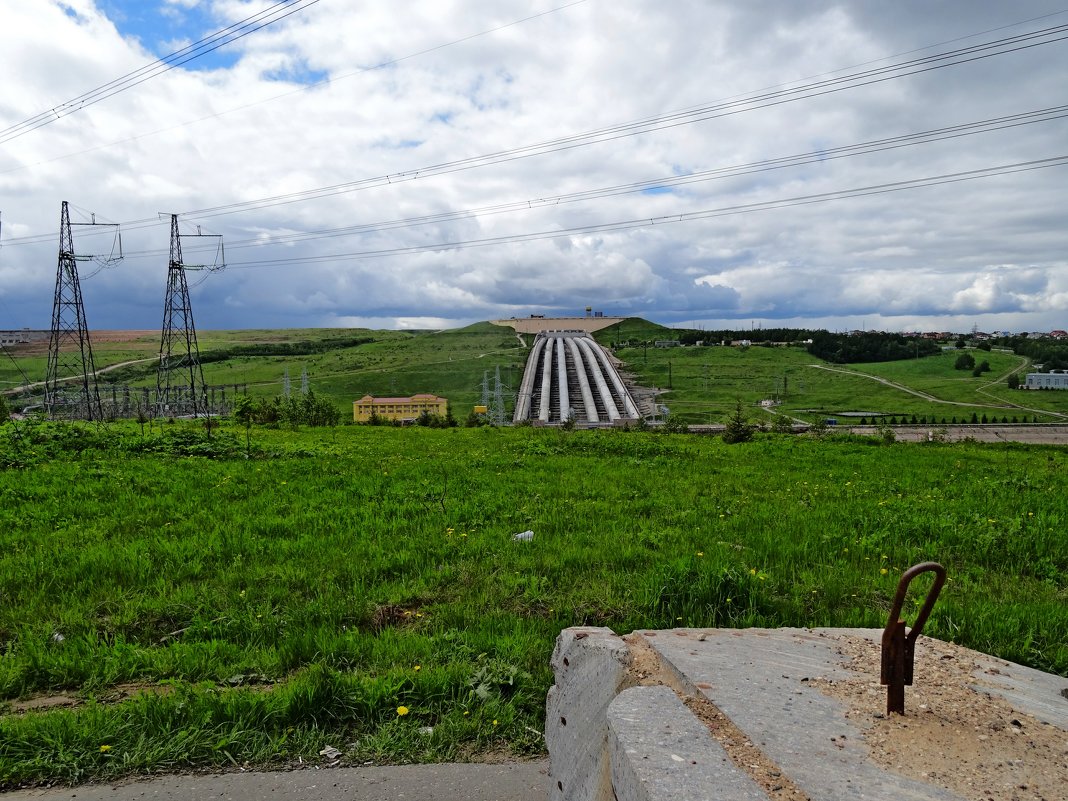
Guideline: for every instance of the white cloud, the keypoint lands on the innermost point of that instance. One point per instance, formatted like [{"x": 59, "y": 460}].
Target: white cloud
[{"x": 991, "y": 249}]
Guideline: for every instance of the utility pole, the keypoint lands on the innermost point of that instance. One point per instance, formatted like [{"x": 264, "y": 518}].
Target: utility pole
[
  {"x": 304, "y": 380},
  {"x": 180, "y": 387},
  {"x": 70, "y": 351},
  {"x": 285, "y": 383}
]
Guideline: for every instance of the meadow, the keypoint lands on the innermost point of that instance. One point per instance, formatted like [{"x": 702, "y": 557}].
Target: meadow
[
  {"x": 200, "y": 601},
  {"x": 697, "y": 384}
]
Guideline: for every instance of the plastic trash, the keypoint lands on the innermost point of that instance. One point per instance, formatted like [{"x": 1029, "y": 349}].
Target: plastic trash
[
  {"x": 330, "y": 752},
  {"x": 523, "y": 536}
]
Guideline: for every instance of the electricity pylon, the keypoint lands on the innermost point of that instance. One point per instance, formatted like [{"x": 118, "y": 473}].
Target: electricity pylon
[
  {"x": 70, "y": 379},
  {"x": 496, "y": 410},
  {"x": 180, "y": 387}
]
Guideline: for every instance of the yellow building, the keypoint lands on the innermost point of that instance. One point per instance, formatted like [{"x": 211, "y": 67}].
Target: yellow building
[{"x": 404, "y": 409}]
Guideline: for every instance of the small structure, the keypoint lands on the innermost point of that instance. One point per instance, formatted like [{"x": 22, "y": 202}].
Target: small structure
[
  {"x": 1054, "y": 379},
  {"x": 406, "y": 410}
]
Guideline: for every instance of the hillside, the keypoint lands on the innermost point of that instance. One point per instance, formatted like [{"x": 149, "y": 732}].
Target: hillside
[{"x": 699, "y": 384}]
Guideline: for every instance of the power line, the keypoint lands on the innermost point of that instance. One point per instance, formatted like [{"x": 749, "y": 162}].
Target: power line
[
  {"x": 643, "y": 222},
  {"x": 226, "y": 36},
  {"x": 715, "y": 110},
  {"x": 766, "y": 165},
  {"x": 307, "y": 87}
]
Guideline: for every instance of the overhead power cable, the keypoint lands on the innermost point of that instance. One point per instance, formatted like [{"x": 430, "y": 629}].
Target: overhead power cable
[
  {"x": 644, "y": 222},
  {"x": 766, "y": 165},
  {"x": 715, "y": 110},
  {"x": 228, "y": 35},
  {"x": 306, "y": 87}
]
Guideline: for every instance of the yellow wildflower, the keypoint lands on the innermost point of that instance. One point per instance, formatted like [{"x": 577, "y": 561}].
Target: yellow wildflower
[{"x": 402, "y": 711}]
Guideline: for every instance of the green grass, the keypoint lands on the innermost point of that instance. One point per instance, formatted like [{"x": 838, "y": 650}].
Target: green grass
[
  {"x": 447, "y": 363},
  {"x": 703, "y": 383},
  {"x": 273, "y": 605}
]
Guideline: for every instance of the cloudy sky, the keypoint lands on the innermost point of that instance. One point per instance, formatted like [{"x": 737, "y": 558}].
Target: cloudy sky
[{"x": 436, "y": 162}]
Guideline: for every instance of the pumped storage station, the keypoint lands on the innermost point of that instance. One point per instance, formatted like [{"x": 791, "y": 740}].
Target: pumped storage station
[{"x": 569, "y": 376}]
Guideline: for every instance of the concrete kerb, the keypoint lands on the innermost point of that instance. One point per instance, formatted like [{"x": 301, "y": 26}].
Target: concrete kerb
[
  {"x": 735, "y": 715},
  {"x": 658, "y": 750},
  {"x": 591, "y": 669}
]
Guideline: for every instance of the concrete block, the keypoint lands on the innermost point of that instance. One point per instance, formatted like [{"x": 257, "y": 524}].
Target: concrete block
[
  {"x": 590, "y": 668},
  {"x": 659, "y": 751},
  {"x": 755, "y": 677}
]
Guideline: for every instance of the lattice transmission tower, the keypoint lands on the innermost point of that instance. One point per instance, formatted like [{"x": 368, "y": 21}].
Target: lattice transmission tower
[
  {"x": 496, "y": 409},
  {"x": 70, "y": 378},
  {"x": 180, "y": 387}
]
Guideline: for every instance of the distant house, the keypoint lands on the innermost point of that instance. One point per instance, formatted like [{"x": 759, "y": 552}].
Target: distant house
[
  {"x": 1051, "y": 380},
  {"x": 406, "y": 410},
  {"x": 1059, "y": 334},
  {"x": 666, "y": 343}
]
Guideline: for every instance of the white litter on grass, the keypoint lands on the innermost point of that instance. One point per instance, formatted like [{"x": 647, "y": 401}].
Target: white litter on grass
[
  {"x": 330, "y": 752},
  {"x": 426, "y": 730},
  {"x": 523, "y": 536}
]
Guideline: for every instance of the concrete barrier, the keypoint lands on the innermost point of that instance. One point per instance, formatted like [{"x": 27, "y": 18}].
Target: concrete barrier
[{"x": 756, "y": 714}]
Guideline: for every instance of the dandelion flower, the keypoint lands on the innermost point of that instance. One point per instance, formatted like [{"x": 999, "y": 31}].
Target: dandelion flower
[
  {"x": 495, "y": 723},
  {"x": 752, "y": 571},
  {"x": 884, "y": 571},
  {"x": 700, "y": 553},
  {"x": 402, "y": 711},
  {"x": 417, "y": 668},
  {"x": 104, "y": 749}
]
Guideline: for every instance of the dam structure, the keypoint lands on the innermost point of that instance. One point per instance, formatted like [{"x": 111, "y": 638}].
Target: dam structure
[{"x": 569, "y": 376}]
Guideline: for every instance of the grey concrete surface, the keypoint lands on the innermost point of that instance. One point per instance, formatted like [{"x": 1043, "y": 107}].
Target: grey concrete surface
[
  {"x": 590, "y": 666},
  {"x": 755, "y": 677},
  {"x": 513, "y": 781},
  {"x": 660, "y": 751}
]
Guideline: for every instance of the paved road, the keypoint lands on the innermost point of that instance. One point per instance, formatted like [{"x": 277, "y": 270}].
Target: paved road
[{"x": 513, "y": 781}]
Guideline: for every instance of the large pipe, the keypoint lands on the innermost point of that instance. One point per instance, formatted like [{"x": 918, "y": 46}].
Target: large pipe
[
  {"x": 617, "y": 382},
  {"x": 561, "y": 382},
  {"x": 546, "y": 381},
  {"x": 584, "y": 383},
  {"x": 526, "y": 387},
  {"x": 598, "y": 377}
]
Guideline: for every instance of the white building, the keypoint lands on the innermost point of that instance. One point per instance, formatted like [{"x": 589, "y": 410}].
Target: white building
[{"x": 1055, "y": 379}]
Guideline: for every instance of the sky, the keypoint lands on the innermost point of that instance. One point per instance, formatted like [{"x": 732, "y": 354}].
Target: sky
[{"x": 429, "y": 164}]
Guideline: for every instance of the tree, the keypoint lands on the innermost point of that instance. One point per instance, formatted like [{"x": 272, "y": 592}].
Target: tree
[
  {"x": 5, "y": 411},
  {"x": 964, "y": 362},
  {"x": 1014, "y": 381},
  {"x": 738, "y": 429},
  {"x": 960, "y": 344},
  {"x": 244, "y": 410},
  {"x": 984, "y": 346}
]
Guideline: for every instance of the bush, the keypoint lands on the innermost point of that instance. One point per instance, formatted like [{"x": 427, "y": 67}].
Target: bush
[
  {"x": 964, "y": 362},
  {"x": 673, "y": 424}
]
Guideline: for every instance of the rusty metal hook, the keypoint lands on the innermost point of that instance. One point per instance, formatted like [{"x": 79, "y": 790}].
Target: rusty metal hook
[{"x": 899, "y": 649}]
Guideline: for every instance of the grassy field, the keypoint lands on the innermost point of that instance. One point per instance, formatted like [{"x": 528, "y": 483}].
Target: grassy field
[
  {"x": 701, "y": 384},
  {"x": 204, "y": 604},
  {"x": 447, "y": 363}
]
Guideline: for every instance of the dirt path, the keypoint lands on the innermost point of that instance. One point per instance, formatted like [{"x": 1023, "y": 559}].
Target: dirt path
[{"x": 102, "y": 370}]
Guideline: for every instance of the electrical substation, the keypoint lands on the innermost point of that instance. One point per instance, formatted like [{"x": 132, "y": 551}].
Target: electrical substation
[{"x": 70, "y": 389}]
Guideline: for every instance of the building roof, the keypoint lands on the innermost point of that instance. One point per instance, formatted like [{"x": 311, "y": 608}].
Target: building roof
[{"x": 423, "y": 396}]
